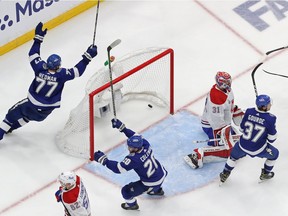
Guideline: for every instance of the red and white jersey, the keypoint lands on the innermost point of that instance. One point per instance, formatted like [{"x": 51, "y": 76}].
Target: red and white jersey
[
  {"x": 76, "y": 199},
  {"x": 218, "y": 108}
]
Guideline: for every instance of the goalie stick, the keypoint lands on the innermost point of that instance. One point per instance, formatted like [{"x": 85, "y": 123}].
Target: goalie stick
[
  {"x": 109, "y": 48},
  {"x": 258, "y": 65},
  {"x": 235, "y": 137}
]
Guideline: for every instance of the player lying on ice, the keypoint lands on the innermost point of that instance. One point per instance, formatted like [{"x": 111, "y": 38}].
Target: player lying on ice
[
  {"x": 216, "y": 123},
  {"x": 140, "y": 159}
]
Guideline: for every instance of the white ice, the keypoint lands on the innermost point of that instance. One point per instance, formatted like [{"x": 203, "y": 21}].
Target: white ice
[{"x": 206, "y": 36}]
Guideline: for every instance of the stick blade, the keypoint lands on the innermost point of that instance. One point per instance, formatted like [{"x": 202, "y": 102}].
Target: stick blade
[{"x": 114, "y": 44}]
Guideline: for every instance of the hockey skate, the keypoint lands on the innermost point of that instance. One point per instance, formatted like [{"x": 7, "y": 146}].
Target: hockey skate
[
  {"x": 126, "y": 206},
  {"x": 265, "y": 175},
  {"x": 160, "y": 192},
  {"x": 224, "y": 176},
  {"x": 195, "y": 159}
]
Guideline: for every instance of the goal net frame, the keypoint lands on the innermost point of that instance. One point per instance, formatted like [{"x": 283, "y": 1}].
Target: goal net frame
[{"x": 167, "y": 52}]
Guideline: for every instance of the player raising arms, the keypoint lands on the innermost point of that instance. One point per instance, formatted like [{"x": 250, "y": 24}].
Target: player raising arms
[
  {"x": 45, "y": 91},
  {"x": 73, "y": 195},
  {"x": 141, "y": 159},
  {"x": 216, "y": 123},
  {"x": 259, "y": 131}
]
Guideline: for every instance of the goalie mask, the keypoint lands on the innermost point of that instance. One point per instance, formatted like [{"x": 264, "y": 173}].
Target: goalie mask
[
  {"x": 223, "y": 80},
  {"x": 66, "y": 178}
]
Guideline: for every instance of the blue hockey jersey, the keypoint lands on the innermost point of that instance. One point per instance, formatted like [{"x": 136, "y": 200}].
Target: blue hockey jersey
[
  {"x": 46, "y": 88},
  {"x": 258, "y": 128},
  {"x": 143, "y": 162}
]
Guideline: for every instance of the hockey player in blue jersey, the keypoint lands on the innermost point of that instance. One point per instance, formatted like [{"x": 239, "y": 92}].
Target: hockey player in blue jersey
[
  {"x": 259, "y": 131},
  {"x": 141, "y": 159},
  {"x": 45, "y": 91}
]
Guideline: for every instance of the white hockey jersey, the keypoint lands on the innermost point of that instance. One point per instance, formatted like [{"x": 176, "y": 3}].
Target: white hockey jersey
[
  {"x": 76, "y": 200},
  {"x": 218, "y": 108}
]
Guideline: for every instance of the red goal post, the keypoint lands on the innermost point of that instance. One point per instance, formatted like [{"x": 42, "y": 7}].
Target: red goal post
[{"x": 141, "y": 76}]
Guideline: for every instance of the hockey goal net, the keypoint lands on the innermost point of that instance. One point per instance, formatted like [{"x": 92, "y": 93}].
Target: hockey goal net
[{"x": 146, "y": 74}]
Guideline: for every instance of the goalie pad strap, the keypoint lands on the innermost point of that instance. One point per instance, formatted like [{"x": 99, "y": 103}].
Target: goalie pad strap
[{"x": 217, "y": 152}]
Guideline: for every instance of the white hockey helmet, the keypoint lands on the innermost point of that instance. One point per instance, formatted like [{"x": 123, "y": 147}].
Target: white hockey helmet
[{"x": 67, "y": 177}]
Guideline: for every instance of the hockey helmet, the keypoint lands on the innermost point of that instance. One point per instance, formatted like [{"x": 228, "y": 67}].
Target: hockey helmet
[
  {"x": 53, "y": 62},
  {"x": 67, "y": 177},
  {"x": 135, "y": 141},
  {"x": 223, "y": 80},
  {"x": 262, "y": 100}
]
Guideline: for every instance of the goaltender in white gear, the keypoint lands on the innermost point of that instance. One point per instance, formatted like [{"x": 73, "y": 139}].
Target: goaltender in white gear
[{"x": 216, "y": 123}]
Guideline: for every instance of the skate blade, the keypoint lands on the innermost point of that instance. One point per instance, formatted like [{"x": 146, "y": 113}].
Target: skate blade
[
  {"x": 221, "y": 183},
  {"x": 262, "y": 181}
]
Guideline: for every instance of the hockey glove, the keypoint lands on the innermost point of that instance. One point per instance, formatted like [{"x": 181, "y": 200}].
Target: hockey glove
[
  {"x": 39, "y": 33},
  {"x": 116, "y": 123},
  {"x": 58, "y": 195},
  {"x": 100, "y": 157},
  {"x": 90, "y": 53}
]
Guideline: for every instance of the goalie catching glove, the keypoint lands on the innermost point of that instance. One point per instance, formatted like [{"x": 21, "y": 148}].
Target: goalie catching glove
[{"x": 100, "y": 157}]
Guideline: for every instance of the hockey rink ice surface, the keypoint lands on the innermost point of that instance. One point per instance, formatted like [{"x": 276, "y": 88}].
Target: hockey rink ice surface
[{"x": 207, "y": 36}]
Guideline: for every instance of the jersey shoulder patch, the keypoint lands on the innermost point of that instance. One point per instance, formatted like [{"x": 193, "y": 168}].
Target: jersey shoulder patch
[{"x": 217, "y": 96}]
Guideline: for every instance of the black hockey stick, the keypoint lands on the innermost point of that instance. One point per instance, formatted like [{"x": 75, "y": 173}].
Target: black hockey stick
[
  {"x": 109, "y": 48},
  {"x": 66, "y": 210},
  {"x": 96, "y": 20},
  {"x": 258, "y": 65},
  {"x": 275, "y": 74}
]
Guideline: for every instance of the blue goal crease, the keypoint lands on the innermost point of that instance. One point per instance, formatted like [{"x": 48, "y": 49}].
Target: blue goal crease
[{"x": 171, "y": 139}]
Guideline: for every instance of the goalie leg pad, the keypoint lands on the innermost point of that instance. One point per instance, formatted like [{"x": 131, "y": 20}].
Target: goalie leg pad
[
  {"x": 215, "y": 154},
  {"x": 226, "y": 137}
]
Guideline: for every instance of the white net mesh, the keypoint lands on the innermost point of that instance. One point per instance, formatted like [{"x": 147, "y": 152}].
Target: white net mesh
[{"x": 151, "y": 83}]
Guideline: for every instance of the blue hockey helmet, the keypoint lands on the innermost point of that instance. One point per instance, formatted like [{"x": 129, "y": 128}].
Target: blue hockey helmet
[
  {"x": 262, "y": 100},
  {"x": 135, "y": 141},
  {"x": 53, "y": 62}
]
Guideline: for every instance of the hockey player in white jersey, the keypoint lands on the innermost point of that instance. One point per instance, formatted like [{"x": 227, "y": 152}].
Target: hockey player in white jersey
[
  {"x": 216, "y": 122},
  {"x": 73, "y": 195}
]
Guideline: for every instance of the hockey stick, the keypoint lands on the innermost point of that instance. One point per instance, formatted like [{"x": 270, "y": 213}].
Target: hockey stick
[
  {"x": 275, "y": 74},
  {"x": 258, "y": 65},
  {"x": 109, "y": 48},
  {"x": 235, "y": 137},
  {"x": 96, "y": 20},
  {"x": 66, "y": 210}
]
